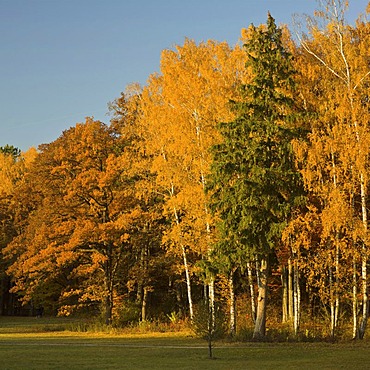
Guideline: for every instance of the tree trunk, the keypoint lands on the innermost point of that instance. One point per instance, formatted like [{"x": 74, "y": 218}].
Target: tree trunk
[
  {"x": 210, "y": 352},
  {"x": 186, "y": 267},
  {"x": 141, "y": 277},
  {"x": 188, "y": 283},
  {"x": 260, "y": 326},
  {"x": 232, "y": 328},
  {"x": 354, "y": 301},
  {"x": 284, "y": 285},
  {"x": 179, "y": 300},
  {"x": 251, "y": 290},
  {"x": 108, "y": 308},
  {"x": 211, "y": 297},
  {"x": 108, "y": 270},
  {"x": 336, "y": 284},
  {"x": 139, "y": 292},
  {"x": 365, "y": 303},
  {"x": 332, "y": 305},
  {"x": 290, "y": 290},
  {"x": 144, "y": 304},
  {"x": 297, "y": 299}
]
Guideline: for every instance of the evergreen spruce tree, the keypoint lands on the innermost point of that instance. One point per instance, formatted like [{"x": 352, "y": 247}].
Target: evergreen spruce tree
[
  {"x": 10, "y": 150},
  {"x": 253, "y": 181}
]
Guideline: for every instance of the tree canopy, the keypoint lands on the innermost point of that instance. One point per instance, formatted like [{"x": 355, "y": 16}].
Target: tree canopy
[{"x": 237, "y": 177}]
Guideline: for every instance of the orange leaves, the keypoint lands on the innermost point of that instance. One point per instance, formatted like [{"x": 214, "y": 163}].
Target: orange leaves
[
  {"x": 12, "y": 170},
  {"x": 76, "y": 227}
]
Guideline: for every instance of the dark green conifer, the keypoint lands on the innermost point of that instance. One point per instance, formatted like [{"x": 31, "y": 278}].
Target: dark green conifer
[{"x": 254, "y": 183}]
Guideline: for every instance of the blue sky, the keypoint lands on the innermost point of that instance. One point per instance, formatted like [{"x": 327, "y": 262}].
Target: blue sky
[{"x": 63, "y": 60}]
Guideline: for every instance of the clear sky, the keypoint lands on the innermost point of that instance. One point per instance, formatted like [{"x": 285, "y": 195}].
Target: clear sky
[{"x": 63, "y": 60}]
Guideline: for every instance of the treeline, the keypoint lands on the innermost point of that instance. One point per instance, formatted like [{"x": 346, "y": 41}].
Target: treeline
[{"x": 237, "y": 175}]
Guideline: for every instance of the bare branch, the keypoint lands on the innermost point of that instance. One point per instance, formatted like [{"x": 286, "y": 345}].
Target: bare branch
[
  {"x": 362, "y": 79},
  {"x": 307, "y": 48},
  {"x": 332, "y": 10}
]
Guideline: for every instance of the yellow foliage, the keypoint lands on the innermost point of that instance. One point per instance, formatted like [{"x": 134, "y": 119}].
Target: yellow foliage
[{"x": 181, "y": 108}]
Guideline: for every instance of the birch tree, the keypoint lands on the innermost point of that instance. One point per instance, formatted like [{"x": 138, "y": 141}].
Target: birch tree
[
  {"x": 337, "y": 158},
  {"x": 181, "y": 108}
]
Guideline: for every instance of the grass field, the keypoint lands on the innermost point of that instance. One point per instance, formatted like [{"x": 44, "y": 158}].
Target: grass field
[{"x": 30, "y": 343}]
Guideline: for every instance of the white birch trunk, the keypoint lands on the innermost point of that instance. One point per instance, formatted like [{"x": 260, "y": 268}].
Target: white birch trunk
[
  {"x": 290, "y": 290},
  {"x": 332, "y": 305},
  {"x": 251, "y": 290},
  {"x": 187, "y": 273},
  {"x": 354, "y": 300},
  {"x": 337, "y": 272},
  {"x": 211, "y": 297},
  {"x": 188, "y": 283},
  {"x": 297, "y": 299},
  {"x": 232, "y": 328},
  {"x": 365, "y": 303}
]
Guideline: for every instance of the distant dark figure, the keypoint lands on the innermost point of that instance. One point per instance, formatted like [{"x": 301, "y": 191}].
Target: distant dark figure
[{"x": 39, "y": 312}]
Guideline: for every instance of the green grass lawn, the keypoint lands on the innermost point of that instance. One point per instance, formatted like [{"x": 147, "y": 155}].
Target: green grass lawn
[{"x": 28, "y": 343}]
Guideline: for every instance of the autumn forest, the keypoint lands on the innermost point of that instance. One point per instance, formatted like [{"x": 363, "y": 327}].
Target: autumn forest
[{"x": 237, "y": 178}]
